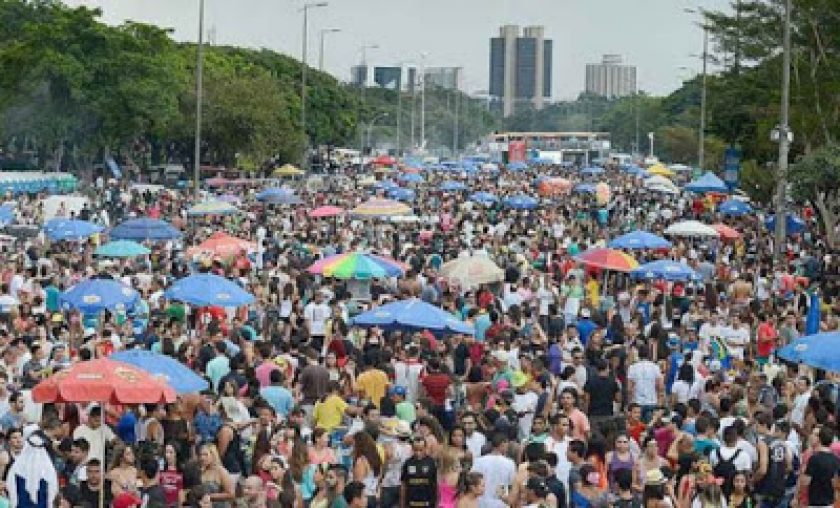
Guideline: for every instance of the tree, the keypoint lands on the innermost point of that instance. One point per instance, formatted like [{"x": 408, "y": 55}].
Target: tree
[
  {"x": 759, "y": 182},
  {"x": 816, "y": 178}
]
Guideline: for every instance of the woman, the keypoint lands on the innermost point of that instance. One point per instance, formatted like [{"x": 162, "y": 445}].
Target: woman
[
  {"x": 123, "y": 473},
  {"x": 458, "y": 446},
  {"x": 319, "y": 451},
  {"x": 590, "y": 495},
  {"x": 172, "y": 478},
  {"x": 650, "y": 459},
  {"x": 471, "y": 488},
  {"x": 367, "y": 465},
  {"x": 319, "y": 498},
  {"x": 448, "y": 475},
  {"x": 215, "y": 478},
  {"x": 229, "y": 447},
  {"x": 741, "y": 497},
  {"x": 175, "y": 428},
  {"x": 620, "y": 458},
  {"x": 685, "y": 387},
  {"x": 709, "y": 494}
]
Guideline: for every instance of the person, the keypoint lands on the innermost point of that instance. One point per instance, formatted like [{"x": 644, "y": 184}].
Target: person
[
  {"x": 729, "y": 459},
  {"x": 171, "y": 478},
  {"x": 740, "y": 497},
  {"x": 78, "y": 462},
  {"x": 498, "y": 472},
  {"x": 599, "y": 394},
  {"x": 316, "y": 314},
  {"x": 471, "y": 490},
  {"x": 371, "y": 384},
  {"x": 336, "y": 480},
  {"x": 123, "y": 471},
  {"x": 15, "y": 417},
  {"x": 354, "y": 495},
  {"x": 645, "y": 384},
  {"x": 620, "y": 458},
  {"x": 819, "y": 477},
  {"x": 367, "y": 464},
  {"x": 774, "y": 463},
  {"x": 579, "y": 421},
  {"x": 219, "y": 366},
  {"x": 91, "y": 489},
  {"x": 151, "y": 492},
  {"x": 475, "y": 440},
  {"x": 94, "y": 433},
  {"x": 214, "y": 477},
  {"x": 253, "y": 493},
  {"x": 419, "y": 478},
  {"x": 277, "y": 395}
]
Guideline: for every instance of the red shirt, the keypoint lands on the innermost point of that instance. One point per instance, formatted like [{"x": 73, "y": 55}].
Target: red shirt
[
  {"x": 766, "y": 336},
  {"x": 435, "y": 385},
  {"x": 172, "y": 482}
]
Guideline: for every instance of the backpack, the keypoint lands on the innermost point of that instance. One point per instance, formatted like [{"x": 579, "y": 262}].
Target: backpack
[
  {"x": 774, "y": 481},
  {"x": 726, "y": 469}
]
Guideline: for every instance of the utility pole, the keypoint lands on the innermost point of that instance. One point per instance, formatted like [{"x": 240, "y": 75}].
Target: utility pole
[
  {"x": 455, "y": 127},
  {"x": 303, "y": 59},
  {"x": 701, "y": 148},
  {"x": 324, "y": 32},
  {"x": 362, "y": 85},
  {"x": 423, "y": 100},
  {"x": 199, "y": 91},
  {"x": 785, "y": 137}
]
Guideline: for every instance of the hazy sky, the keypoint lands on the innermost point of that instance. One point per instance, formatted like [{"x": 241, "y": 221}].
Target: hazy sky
[{"x": 655, "y": 35}]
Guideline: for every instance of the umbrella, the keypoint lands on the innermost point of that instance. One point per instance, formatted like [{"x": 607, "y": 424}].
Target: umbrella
[
  {"x": 411, "y": 178},
  {"x": 734, "y": 207},
  {"x": 326, "y": 211},
  {"x": 172, "y": 372},
  {"x": 452, "y": 186},
  {"x": 608, "y": 259},
  {"x": 484, "y": 198},
  {"x": 357, "y": 265},
  {"x": 401, "y": 194},
  {"x": 490, "y": 166},
  {"x": 584, "y": 188},
  {"x": 591, "y": 171},
  {"x": 288, "y": 170},
  {"x": 145, "y": 229},
  {"x": 691, "y": 228},
  {"x": 660, "y": 170},
  {"x": 230, "y": 198},
  {"x": 821, "y": 351},
  {"x": 386, "y": 184},
  {"x": 639, "y": 240},
  {"x": 665, "y": 270},
  {"x": 91, "y": 296},
  {"x": 707, "y": 183},
  {"x": 7, "y": 214},
  {"x": 812, "y": 319},
  {"x": 793, "y": 225},
  {"x": 212, "y": 208},
  {"x": 217, "y": 182},
  {"x": 726, "y": 232},
  {"x": 206, "y": 289},
  {"x": 223, "y": 245},
  {"x": 517, "y": 166},
  {"x": 103, "y": 380},
  {"x": 278, "y": 196},
  {"x": 521, "y": 202},
  {"x": 472, "y": 271},
  {"x": 384, "y": 160},
  {"x": 553, "y": 186},
  {"x": 121, "y": 249},
  {"x": 70, "y": 229},
  {"x": 412, "y": 314},
  {"x": 378, "y": 207}
]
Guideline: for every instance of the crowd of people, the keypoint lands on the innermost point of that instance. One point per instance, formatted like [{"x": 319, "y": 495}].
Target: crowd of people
[{"x": 579, "y": 387}]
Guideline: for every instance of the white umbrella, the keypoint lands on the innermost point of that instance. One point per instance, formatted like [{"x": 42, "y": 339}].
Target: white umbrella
[
  {"x": 691, "y": 228},
  {"x": 472, "y": 271}
]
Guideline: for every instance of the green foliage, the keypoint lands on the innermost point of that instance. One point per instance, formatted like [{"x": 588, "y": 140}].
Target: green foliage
[
  {"x": 816, "y": 178},
  {"x": 759, "y": 182}
]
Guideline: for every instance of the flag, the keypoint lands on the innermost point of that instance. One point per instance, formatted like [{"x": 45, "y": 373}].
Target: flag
[
  {"x": 720, "y": 352},
  {"x": 812, "y": 320}
]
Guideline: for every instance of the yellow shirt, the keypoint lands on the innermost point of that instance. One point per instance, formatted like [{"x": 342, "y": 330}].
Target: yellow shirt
[
  {"x": 372, "y": 383},
  {"x": 328, "y": 414},
  {"x": 593, "y": 291}
]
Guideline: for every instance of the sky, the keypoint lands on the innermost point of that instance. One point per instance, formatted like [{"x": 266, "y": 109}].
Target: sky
[{"x": 657, "y": 36}]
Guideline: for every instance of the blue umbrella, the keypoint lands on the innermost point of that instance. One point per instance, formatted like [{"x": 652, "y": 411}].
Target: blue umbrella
[
  {"x": 70, "y": 229},
  {"x": 634, "y": 170},
  {"x": 7, "y": 214},
  {"x": 821, "y": 350},
  {"x": 207, "y": 289},
  {"x": 793, "y": 226},
  {"x": 452, "y": 186},
  {"x": 413, "y": 314},
  {"x": 735, "y": 208},
  {"x": 707, "y": 183},
  {"x": 594, "y": 170},
  {"x": 521, "y": 202},
  {"x": 812, "y": 319},
  {"x": 386, "y": 184},
  {"x": 639, "y": 240},
  {"x": 401, "y": 194},
  {"x": 665, "y": 270},
  {"x": 484, "y": 198},
  {"x": 278, "y": 196},
  {"x": 94, "y": 295},
  {"x": 412, "y": 178},
  {"x": 176, "y": 374},
  {"x": 145, "y": 229},
  {"x": 587, "y": 188},
  {"x": 121, "y": 249},
  {"x": 517, "y": 166}
]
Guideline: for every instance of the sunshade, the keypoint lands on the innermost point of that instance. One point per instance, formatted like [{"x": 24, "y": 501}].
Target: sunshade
[
  {"x": 517, "y": 166},
  {"x": 665, "y": 270},
  {"x": 735, "y": 208},
  {"x": 384, "y": 160},
  {"x": 411, "y": 178},
  {"x": 452, "y": 186},
  {"x": 660, "y": 170},
  {"x": 485, "y": 198},
  {"x": 103, "y": 380},
  {"x": 121, "y": 249},
  {"x": 726, "y": 232},
  {"x": 793, "y": 225},
  {"x": 401, "y": 194},
  {"x": 413, "y": 315},
  {"x": 608, "y": 259},
  {"x": 91, "y": 296},
  {"x": 212, "y": 208},
  {"x": 357, "y": 265},
  {"x": 172, "y": 372},
  {"x": 278, "y": 196},
  {"x": 206, "y": 289},
  {"x": 145, "y": 229},
  {"x": 326, "y": 211},
  {"x": 821, "y": 351},
  {"x": 288, "y": 170},
  {"x": 639, "y": 240},
  {"x": 521, "y": 202},
  {"x": 7, "y": 214},
  {"x": 378, "y": 207},
  {"x": 691, "y": 228},
  {"x": 592, "y": 170},
  {"x": 707, "y": 183},
  {"x": 70, "y": 229},
  {"x": 472, "y": 271},
  {"x": 223, "y": 245}
]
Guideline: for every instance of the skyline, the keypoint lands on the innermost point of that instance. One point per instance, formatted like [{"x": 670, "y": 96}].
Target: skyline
[{"x": 451, "y": 34}]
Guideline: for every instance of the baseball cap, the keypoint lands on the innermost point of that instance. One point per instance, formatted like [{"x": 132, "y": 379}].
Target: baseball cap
[
  {"x": 585, "y": 313},
  {"x": 397, "y": 390}
]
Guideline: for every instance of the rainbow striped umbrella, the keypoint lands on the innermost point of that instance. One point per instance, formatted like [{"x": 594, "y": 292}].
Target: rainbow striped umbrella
[
  {"x": 378, "y": 207},
  {"x": 357, "y": 265},
  {"x": 608, "y": 259}
]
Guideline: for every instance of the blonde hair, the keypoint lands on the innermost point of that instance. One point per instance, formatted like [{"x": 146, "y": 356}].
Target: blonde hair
[{"x": 213, "y": 452}]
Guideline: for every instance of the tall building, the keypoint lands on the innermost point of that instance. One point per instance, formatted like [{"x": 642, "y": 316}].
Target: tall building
[
  {"x": 610, "y": 78},
  {"x": 520, "y": 67},
  {"x": 406, "y": 77}
]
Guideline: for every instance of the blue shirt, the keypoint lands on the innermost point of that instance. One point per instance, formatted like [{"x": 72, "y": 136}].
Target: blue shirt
[
  {"x": 51, "y": 300},
  {"x": 279, "y": 398},
  {"x": 206, "y": 426},
  {"x": 482, "y": 324},
  {"x": 216, "y": 369},
  {"x": 585, "y": 327}
]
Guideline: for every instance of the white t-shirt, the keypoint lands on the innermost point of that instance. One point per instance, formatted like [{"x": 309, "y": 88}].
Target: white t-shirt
[
  {"x": 742, "y": 462},
  {"x": 497, "y": 470},
  {"x": 736, "y": 339},
  {"x": 644, "y": 375},
  {"x": 475, "y": 443},
  {"x": 95, "y": 437},
  {"x": 317, "y": 314},
  {"x": 706, "y": 333},
  {"x": 525, "y": 403}
]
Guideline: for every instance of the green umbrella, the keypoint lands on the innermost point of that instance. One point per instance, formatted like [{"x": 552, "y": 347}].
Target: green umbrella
[{"x": 121, "y": 249}]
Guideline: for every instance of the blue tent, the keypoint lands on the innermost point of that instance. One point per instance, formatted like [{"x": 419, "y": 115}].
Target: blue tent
[
  {"x": 177, "y": 375},
  {"x": 821, "y": 350},
  {"x": 521, "y": 202},
  {"x": 634, "y": 170},
  {"x": 144, "y": 229},
  {"x": 207, "y": 289},
  {"x": 413, "y": 315},
  {"x": 485, "y": 198},
  {"x": 593, "y": 170},
  {"x": 639, "y": 240},
  {"x": 793, "y": 226},
  {"x": 401, "y": 194},
  {"x": 517, "y": 166},
  {"x": 735, "y": 208},
  {"x": 665, "y": 270},
  {"x": 412, "y": 178},
  {"x": 451, "y": 186},
  {"x": 70, "y": 229},
  {"x": 278, "y": 196},
  {"x": 707, "y": 183},
  {"x": 586, "y": 188},
  {"x": 91, "y": 296}
]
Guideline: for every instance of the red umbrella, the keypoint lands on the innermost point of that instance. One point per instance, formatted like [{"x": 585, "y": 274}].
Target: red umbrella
[
  {"x": 726, "y": 232},
  {"x": 223, "y": 245},
  {"x": 608, "y": 259},
  {"x": 217, "y": 181},
  {"x": 384, "y": 160},
  {"x": 103, "y": 381},
  {"x": 326, "y": 211}
]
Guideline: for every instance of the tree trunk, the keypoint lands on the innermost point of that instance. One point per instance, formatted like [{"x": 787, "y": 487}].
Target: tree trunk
[{"x": 829, "y": 217}]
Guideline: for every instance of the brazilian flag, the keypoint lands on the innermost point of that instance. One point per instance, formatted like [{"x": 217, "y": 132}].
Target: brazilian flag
[{"x": 721, "y": 353}]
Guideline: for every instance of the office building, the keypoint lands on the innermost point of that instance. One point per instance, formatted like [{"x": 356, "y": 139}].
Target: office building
[
  {"x": 520, "y": 68},
  {"x": 406, "y": 77},
  {"x": 611, "y": 78}
]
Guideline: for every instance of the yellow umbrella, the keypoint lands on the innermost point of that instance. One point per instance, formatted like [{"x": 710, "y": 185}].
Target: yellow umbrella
[
  {"x": 288, "y": 170},
  {"x": 378, "y": 207},
  {"x": 659, "y": 169}
]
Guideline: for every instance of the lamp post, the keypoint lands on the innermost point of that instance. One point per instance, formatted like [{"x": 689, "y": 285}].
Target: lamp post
[
  {"x": 324, "y": 32},
  {"x": 372, "y": 123},
  {"x": 701, "y": 148},
  {"x": 362, "y": 86},
  {"x": 423, "y": 99},
  {"x": 785, "y": 137},
  {"x": 303, "y": 59},
  {"x": 199, "y": 89},
  {"x": 650, "y": 138}
]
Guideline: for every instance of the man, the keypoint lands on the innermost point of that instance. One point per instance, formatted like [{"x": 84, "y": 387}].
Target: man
[
  {"x": 536, "y": 492},
  {"x": 585, "y": 326},
  {"x": 207, "y": 420},
  {"x": 76, "y": 470},
  {"x": 336, "y": 480},
  {"x": 558, "y": 444},
  {"x": 314, "y": 382},
  {"x": 599, "y": 394},
  {"x": 15, "y": 417},
  {"x": 277, "y": 395},
  {"x": 90, "y": 489},
  {"x": 580, "y": 422},
  {"x": 219, "y": 366},
  {"x": 151, "y": 492},
  {"x": 774, "y": 463},
  {"x": 736, "y": 337},
  {"x": 407, "y": 372},
  {"x": 253, "y": 493},
  {"x": 266, "y": 366},
  {"x": 354, "y": 494},
  {"x": 635, "y": 426},
  {"x": 499, "y": 472},
  {"x": 95, "y": 433},
  {"x": 821, "y": 472},
  {"x": 316, "y": 313},
  {"x": 437, "y": 385},
  {"x": 645, "y": 384},
  {"x": 710, "y": 331},
  {"x": 475, "y": 439},
  {"x": 419, "y": 478},
  {"x": 35, "y": 369},
  {"x": 575, "y": 455},
  {"x": 800, "y": 403}
]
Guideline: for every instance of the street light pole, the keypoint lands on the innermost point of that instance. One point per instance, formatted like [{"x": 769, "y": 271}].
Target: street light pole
[
  {"x": 362, "y": 86},
  {"x": 785, "y": 137},
  {"x": 423, "y": 100},
  {"x": 199, "y": 91},
  {"x": 324, "y": 32},
  {"x": 304, "y": 66},
  {"x": 372, "y": 124},
  {"x": 701, "y": 149}
]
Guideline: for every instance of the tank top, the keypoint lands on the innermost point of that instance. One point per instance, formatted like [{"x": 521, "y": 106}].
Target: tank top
[
  {"x": 447, "y": 495},
  {"x": 617, "y": 464},
  {"x": 232, "y": 457}
]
